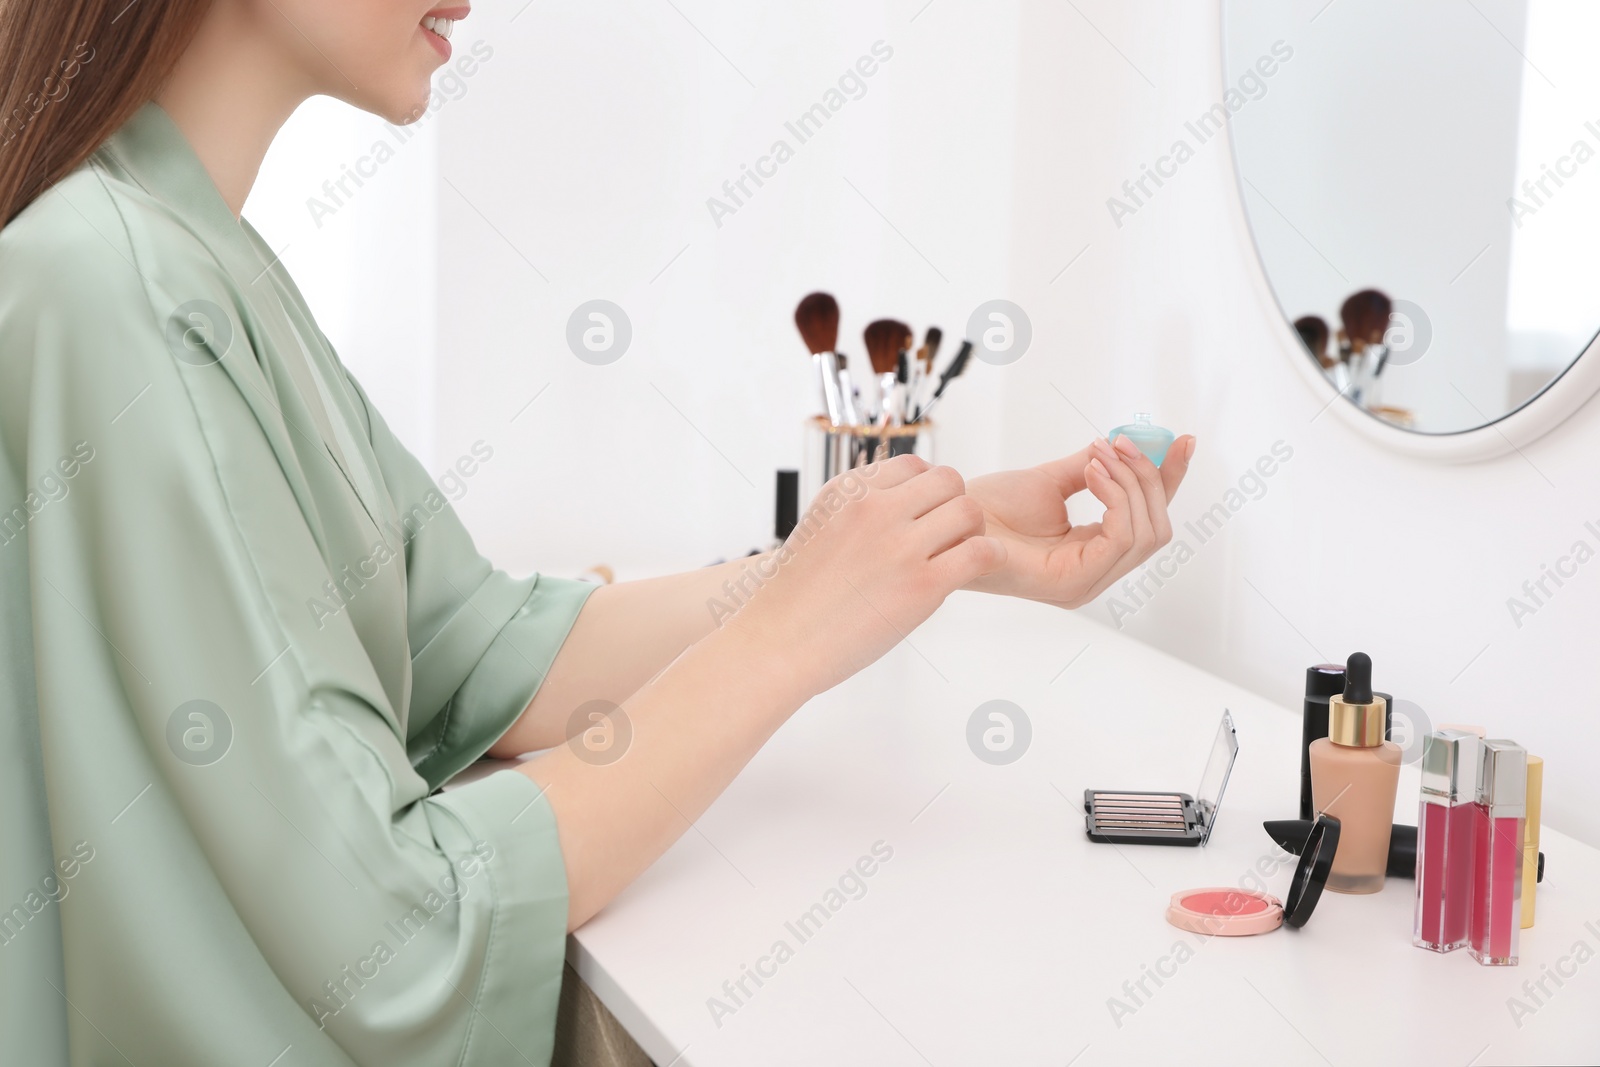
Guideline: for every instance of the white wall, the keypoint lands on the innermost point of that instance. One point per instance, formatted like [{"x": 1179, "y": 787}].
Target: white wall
[
  {"x": 584, "y": 151},
  {"x": 347, "y": 202},
  {"x": 579, "y": 168}
]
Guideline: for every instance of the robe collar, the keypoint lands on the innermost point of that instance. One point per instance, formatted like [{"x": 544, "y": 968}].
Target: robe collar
[{"x": 154, "y": 152}]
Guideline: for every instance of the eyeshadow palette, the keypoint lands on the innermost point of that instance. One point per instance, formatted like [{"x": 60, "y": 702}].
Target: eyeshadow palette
[
  {"x": 1147, "y": 816},
  {"x": 1132, "y": 817}
]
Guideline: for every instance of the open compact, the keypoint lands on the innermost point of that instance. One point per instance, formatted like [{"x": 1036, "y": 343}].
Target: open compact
[
  {"x": 1128, "y": 817},
  {"x": 1225, "y": 912}
]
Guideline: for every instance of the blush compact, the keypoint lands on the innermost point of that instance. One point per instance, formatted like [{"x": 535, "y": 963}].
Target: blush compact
[
  {"x": 1132, "y": 817},
  {"x": 1224, "y": 912}
]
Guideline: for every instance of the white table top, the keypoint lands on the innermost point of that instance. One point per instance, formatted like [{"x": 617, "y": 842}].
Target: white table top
[{"x": 998, "y": 933}]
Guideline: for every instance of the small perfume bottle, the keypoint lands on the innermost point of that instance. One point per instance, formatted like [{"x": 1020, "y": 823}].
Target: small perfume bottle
[
  {"x": 1445, "y": 826},
  {"x": 1497, "y": 861},
  {"x": 1152, "y": 440}
]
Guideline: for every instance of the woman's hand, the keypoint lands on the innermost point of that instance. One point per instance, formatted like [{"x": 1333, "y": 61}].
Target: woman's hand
[
  {"x": 875, "y": 554},
  {"x": 1049, "y": 559},
  {"x": 878, "y": 550}
]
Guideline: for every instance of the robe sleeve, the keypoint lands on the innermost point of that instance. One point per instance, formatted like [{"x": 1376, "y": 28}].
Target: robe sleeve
[
  {"x": 270, "y": 865},
  {"x": 481, "y": 641}
]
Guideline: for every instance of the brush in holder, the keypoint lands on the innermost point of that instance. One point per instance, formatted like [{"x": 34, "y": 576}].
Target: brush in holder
[{"x": 832, "y": 450}]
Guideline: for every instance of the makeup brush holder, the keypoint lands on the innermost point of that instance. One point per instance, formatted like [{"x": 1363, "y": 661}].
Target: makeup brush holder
[{"x": 832, "y": 450}]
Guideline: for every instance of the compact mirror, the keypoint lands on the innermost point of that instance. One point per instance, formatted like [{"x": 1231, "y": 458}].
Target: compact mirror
[
  {"x": 1422, "y": 182},
  {"x": 1214, "y": 779}
]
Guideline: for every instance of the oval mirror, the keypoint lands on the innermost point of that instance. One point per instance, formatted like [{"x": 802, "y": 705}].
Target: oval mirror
[{"x": 1422, "y": 181}]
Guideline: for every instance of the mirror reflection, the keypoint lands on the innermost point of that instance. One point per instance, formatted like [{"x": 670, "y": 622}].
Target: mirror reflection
[{"x": 1419, "y": 180}]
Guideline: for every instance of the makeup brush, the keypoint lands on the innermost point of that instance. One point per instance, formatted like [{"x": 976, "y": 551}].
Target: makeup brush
[
  {"x": 879, "y": 338},
  {"x": 817, "y": 318},
  {"x": 957, "y": 367},
  {"x": 930, "y": 347},
  {"x": 847, "y": 391},
  {"x": 887, "y": 341},
  {"x": 922, "y": 371}
]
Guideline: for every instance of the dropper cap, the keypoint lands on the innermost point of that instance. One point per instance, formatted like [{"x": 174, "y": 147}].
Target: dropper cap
[
  {"x": 1358, "y": 679},
  {"x": 1356, "y": 716}
]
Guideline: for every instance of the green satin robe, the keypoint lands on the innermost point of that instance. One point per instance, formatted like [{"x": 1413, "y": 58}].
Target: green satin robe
[{"x": 244, "y": 639}]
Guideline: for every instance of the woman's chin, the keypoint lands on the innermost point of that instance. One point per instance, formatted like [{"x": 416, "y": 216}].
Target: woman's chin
[{"x": 406, "y": 108}]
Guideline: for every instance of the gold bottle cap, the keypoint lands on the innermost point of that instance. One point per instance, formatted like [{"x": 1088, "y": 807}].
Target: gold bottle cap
[{"x": 1357, "y": 725}]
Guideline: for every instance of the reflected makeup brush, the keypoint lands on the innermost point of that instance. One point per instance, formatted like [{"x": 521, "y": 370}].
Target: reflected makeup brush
[
  {"x": 817, "y": 319},
  {"x": 1313, "y": 333},
  {"x": 1365, "y": 318}
]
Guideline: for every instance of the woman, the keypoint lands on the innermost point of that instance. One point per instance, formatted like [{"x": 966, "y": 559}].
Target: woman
[{"x": 245, "y": 640}]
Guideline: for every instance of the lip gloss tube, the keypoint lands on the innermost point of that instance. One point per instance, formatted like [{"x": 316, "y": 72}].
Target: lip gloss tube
[
  {"x": 1498, "y": 815},
  {"x": 1530, "y": 839},
  {"x": 1445, "y": 839}
]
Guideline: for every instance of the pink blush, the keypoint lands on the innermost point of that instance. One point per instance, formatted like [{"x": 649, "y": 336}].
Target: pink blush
[
  {"x": 1213, "y": 903},
  {"x": 1219, "y": 911}
]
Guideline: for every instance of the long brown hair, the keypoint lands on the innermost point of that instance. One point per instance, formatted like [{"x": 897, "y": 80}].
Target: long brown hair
[{"x": 75, "y": 71}]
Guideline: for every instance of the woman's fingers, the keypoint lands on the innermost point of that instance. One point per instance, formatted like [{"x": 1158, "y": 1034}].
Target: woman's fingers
[
  {"x": 1114, "y": 540},
  {"x": 888, "y": 473},
  {"x": 1118, "y": 545},
  {"x": 948, "y": 525},
  {"x": 1155, "y": 493},
  {"x": 931, "y": 489},
  {"x": 1144, "y": 537},
  {"x": 1176, "y": 465},
  {"x": 1067, "y": 472},
  {"x": 970, "y": 560},
  {"x": 1155, "y": 482}
]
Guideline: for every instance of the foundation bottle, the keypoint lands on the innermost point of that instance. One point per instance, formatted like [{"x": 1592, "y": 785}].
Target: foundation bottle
[{"x": 1354, "y": 773}]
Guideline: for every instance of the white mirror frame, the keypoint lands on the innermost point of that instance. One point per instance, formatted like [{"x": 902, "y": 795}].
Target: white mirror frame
[
  {"x": 1537, "y": 416},
  {"x": 1546, "y": 410}
]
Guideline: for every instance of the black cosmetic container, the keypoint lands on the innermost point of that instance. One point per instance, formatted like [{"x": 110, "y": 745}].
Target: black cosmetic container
[{"x": 1323, "y": 681}]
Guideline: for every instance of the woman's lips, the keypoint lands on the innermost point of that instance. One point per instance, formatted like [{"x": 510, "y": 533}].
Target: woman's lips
[
  {"x": 438, "y": 24},
  {"x": 437, "y": 31}
]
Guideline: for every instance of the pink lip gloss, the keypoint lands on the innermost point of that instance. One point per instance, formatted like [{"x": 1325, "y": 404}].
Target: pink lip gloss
[
  {"x": 1445, "y": 840},
  {"x": 1498, "y": 815}
]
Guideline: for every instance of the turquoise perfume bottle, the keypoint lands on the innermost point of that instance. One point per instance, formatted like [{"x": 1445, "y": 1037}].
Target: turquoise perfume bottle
[{"x": 1152, "y": 440}]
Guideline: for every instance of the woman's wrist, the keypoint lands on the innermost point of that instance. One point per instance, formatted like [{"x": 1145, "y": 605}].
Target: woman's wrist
[{"x": 745, "y": 648}]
